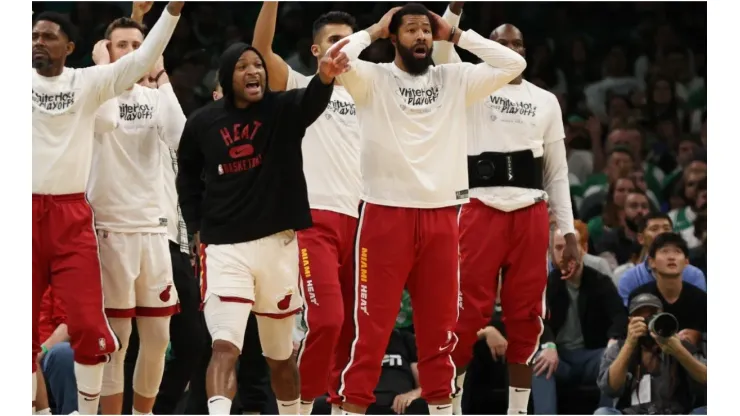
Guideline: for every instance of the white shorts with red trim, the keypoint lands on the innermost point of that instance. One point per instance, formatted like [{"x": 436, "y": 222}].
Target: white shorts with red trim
[
  {"x": 263, "y": 272},
  {"x": 137, "y": 275}
]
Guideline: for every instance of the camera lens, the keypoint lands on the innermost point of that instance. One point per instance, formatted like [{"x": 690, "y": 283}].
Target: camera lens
[{"x": 664, "y": 325}]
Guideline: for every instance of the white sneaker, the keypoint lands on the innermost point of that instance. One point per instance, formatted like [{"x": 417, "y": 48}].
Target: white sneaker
[{"x": 75, "y": 413}]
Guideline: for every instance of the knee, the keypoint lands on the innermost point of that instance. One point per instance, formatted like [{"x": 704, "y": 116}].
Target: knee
[
  {"x": 283, "y": 369},
  {"x": 154, "y": 335},
  {"x": 60, "y": 357},
  {"x": 224, "y": 353}
]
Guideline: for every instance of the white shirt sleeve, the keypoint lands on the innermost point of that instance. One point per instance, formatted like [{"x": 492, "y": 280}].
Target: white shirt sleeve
[
  {"x": 171, "y": 117},
  {"x": 444, "y": 52},
  {"x": 106, "y": 118},
  {"x": 113, "y": 79},
  {"x": 556, "y": 171},
  {"x": 359, "y": 79},
  {"x": 500, "y": 65}
]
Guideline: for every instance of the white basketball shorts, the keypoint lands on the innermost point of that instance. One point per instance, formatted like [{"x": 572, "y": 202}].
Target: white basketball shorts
[{"x": 137, "y": 275}]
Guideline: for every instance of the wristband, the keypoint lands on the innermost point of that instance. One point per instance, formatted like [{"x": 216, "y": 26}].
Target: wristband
[
  {"x": 549, "y": 345},
  {"x": 452, "y": 34},
  {"x": 159, "y": 75},
  {"x": 44, "y": 350}
]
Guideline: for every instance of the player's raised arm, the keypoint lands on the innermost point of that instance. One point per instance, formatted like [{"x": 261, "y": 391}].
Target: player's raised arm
[
  {"x": 358, "y": 79},
  {"x": 316, "y": 96},
  {"x": 444, "y": 52},
  {"x": 112, "y": 80},
  {"x": 264, "y": 33},
  {"x": 189, "y": 184},
  {"x": 500, "y": 64},
  {"x": 171, "y": 117}
]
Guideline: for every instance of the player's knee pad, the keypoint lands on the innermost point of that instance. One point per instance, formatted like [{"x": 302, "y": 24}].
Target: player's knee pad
[
  {"x": 153, "y": 338},
  {"x": 276, "y": 337},
  {"x": 113, "y": 370},
  {"x": 227, "y": 321}
]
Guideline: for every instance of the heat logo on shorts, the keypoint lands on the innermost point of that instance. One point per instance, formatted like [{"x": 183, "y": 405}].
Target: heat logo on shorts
[
  {"x": 363, "y": 280},
  {"x": 307, "y": 276}
]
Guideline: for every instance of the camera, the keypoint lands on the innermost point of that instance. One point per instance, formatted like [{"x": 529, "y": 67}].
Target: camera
[{"x": 664, "y": 325}]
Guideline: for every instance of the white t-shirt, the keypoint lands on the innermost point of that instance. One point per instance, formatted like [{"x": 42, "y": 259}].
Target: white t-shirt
[
  {"x": 331, "y": 152},
  {"x": 64, "y": 112},
  {"x": 414, "y": 145},
  {"x": 127, "y": 178},
  {"x": 514, "y": 118}
]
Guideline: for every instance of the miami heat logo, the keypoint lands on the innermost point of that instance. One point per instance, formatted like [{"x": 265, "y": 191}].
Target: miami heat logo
[
  {"x": 284, "y": 303},
  {"x": 165, "y": 295}
]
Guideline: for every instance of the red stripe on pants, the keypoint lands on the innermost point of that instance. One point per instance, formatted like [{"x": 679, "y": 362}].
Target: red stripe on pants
[
  {"x": 516, "y": 241},
  {"x": 398, "y": 247},
  {"x": 325, "y": 263}
]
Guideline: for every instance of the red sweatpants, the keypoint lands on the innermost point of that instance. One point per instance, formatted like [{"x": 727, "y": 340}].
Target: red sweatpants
[
  {"x": 516, "y": 242},
  {"x": 415, "y": 248},
  {"x": 65, "y": 255},
  {"x": 327, "y": 283}
]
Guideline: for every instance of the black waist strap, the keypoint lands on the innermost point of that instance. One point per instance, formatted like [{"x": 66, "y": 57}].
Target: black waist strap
[{"x": 518, "y": 169}]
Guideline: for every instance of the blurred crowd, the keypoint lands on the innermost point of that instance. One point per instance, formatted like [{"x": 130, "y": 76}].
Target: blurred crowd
[{"x": 631, "y": 81}]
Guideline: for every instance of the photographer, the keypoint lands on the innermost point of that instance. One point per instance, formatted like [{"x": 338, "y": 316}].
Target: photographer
[{"x": 652, "y": 371}]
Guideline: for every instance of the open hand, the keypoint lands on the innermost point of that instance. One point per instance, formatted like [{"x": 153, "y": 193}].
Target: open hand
[
  {"x": 495, "y": 341},
  {"x": 100, "y": 53},
  {"x": 547, "y": 362},
  {"x": 385, "y": 21},
  {"x": 141, "y": 8},
  {"x": 334, "y": 62},
  {"x": 402, "y": 401},
  {"x": 443, "y": 28}
]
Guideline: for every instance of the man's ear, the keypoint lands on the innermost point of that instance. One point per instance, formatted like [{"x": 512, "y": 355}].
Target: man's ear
[
  {"x": 70, "y": 48},
  {"x": 315, "y": 50}
]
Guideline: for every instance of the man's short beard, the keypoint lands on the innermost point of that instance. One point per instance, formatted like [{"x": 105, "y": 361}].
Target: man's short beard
[
  {"x": 40, "y": 63},
  {"x": 414, "y": 66}
]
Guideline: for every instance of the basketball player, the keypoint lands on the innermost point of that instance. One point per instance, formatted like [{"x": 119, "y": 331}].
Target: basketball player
[
  {"x": 332, "y": 169},
  {"x": 247, "y": 145},
  {"x": 516, "y": 160},
  {"x": 65, "y": 250},
  {"x": 413, "y": 151},
  {"x": 131, "y": 220}
]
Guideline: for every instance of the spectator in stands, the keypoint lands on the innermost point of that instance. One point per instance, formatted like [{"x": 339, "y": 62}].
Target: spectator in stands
[
  {"x": 684, "y": 217},
  {"x": 694, "y": 234},
  {"x": 597, "y": 263},
  {"x": 668, "y": 257},
  {"x": 698, "y": 255},
  {"x": 641, "y": 274},
  {"x": 57, "y": 358},
  {"x": 585, "y": 314},
  {"x": 616, "y": 80},
  {"x": 647, "y": 374},
  {"x": 638, "y": 177},
  {"x": 612, "y": 216},
  {"x": 621, "y": 241},
  {"x": 619, "y": 163}
]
